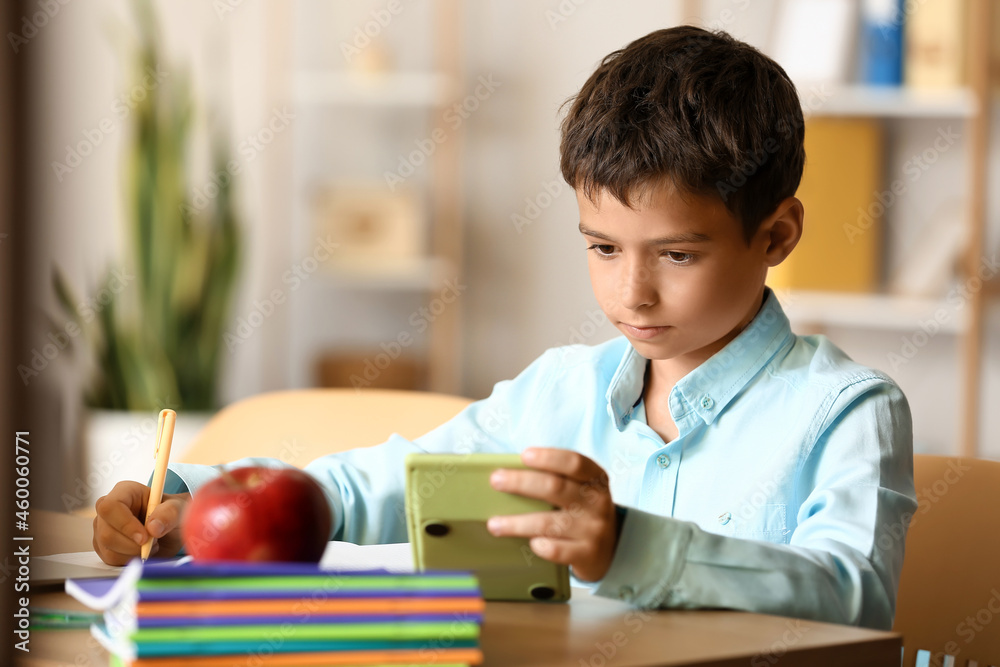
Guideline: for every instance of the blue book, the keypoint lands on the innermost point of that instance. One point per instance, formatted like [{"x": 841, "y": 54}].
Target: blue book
[{"x": 880, "y": 58}]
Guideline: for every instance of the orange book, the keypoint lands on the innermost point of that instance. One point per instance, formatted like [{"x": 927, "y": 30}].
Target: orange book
[
  {"x": 442, "y": 656},
  {"x": 330, "y": 606}
]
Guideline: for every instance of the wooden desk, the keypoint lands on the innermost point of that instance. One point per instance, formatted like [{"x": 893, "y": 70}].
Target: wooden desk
[{"x": 587, "y": 632}]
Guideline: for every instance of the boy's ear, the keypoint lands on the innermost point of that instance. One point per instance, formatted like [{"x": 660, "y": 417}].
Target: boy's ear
[{"x": 782, "y": 230}]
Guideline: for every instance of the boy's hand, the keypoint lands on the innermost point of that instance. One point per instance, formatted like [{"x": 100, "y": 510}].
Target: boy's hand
[
  {"x": 582, "y": 533},
  {"x": 118, "y": 527}
]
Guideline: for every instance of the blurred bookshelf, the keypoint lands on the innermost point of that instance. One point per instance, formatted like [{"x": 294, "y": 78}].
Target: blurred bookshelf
[
  {"x": 377, "y": 89},
  {"x": 843, "y": 283},
  {"x": 401, "y": 243},
  {"x": 897, "y": 102},
  {"x": 420, "y": 275},
  {"x": 883, "y": 312}
]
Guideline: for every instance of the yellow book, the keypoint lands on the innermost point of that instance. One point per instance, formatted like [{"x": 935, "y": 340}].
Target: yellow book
[
  {"x": 844, "y": 205},
  {"x": 935, "y": 42}
]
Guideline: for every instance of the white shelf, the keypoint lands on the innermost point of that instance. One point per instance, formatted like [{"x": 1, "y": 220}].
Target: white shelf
[
  {"x": 891, "y": 102},
  {"x": 396, "y": 89},
  {"x": 869, "y": 311},
  {"x": 419, "y": 275}
]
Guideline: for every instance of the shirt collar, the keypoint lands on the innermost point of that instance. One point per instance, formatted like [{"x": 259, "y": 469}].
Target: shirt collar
[{"x": 710, "y": 387}]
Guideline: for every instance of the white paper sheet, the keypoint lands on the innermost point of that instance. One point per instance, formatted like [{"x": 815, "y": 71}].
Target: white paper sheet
[
  {"x": 347, "y": 556},
  {"x": 81, "y": 558},
  {"x": 338, "y": 555}
]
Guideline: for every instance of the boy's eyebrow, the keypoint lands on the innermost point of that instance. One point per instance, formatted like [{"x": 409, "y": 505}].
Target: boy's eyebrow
[{"x": 681, "y": 237}]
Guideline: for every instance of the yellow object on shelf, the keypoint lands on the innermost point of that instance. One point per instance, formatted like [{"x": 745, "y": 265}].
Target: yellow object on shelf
[
  {"x": 844, "y": 203},
  {"x": 935, "y": 38}
]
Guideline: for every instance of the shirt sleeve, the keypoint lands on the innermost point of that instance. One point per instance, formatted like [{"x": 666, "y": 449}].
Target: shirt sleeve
[
  {"x": 843, "y": 559},
  {"x": 366, "y": 486}
]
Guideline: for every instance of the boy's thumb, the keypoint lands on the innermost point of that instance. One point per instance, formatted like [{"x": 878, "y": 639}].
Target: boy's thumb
[{"x": 164, "y": 518}]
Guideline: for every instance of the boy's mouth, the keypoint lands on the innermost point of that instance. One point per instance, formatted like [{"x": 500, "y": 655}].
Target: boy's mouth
[{"x": 643, "y": 332}]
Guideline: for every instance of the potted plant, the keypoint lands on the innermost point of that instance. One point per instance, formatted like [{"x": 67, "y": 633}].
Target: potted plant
[{"x": 155, "y": 332}]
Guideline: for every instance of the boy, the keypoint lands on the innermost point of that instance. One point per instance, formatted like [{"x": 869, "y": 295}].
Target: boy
[{"x": 709, "y": 457}]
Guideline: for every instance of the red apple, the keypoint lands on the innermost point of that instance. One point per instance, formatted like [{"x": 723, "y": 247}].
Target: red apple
[{"x": 258, "y": 514}]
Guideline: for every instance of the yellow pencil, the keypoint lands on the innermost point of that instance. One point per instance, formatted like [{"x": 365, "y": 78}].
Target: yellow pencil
[{"x": 164, "y": 435}]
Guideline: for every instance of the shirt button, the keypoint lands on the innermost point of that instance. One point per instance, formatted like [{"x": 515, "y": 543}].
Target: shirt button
[
  {"x": 707, "y": 402},
  {"x": 626, "y": 593},
  {"x": 725, "y": 518},
  {"x": 663, "y": 460}
]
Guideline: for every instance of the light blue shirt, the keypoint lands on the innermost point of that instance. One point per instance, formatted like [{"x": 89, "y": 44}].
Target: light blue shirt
[{"x": 788, "y": 490}]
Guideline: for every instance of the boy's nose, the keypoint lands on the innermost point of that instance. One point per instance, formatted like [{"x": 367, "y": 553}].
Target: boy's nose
[{"x": 637, "y": 288}]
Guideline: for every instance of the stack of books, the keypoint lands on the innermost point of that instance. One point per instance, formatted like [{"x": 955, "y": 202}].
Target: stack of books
[{"x": 168, "y": 614}]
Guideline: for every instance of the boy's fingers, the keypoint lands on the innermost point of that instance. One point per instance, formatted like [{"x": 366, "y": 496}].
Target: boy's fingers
[
  {"x": 110, "y": 557},
  {"x": 122, "y": 518},
  {"x": 530, "y": 524},
  {"x": 552, "y": 488},
  {"x": 564, "y": 462},
  {"x": 165, "y": 518},
  {"x": 564, "y": 552},
  {"x": 133, "y": 494},
  {"x": 116, "y": 542}
]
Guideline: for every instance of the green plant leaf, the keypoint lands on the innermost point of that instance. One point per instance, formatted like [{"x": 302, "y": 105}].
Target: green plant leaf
[{"x": 160, "y": 339}]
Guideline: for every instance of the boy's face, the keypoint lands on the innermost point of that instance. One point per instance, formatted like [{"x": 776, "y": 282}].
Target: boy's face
[{"x": 677, "y": 263}]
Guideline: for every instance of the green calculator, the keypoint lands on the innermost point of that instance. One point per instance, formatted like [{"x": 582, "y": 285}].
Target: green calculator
[{"x": 448, "y": 501}]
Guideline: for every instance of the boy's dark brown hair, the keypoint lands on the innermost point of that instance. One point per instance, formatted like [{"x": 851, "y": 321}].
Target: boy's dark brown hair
[{"x": 700, "y": 109}]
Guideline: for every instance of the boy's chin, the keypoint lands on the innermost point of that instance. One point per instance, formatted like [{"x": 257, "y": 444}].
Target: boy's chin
[
  {"x": 655, "y": 348},
  {"x": 669, "y": 346}
]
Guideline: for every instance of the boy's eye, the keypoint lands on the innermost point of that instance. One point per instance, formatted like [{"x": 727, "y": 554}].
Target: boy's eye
[
  {"x": 602, "y": 249},
  {"x": 606, "y": 251},
  {"x": 679, "y": 257}
]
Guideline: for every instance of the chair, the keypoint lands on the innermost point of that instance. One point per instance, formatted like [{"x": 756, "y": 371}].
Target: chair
[
  {"x": 949, "y": 590},
  {"x": 298, "y": 426}
]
